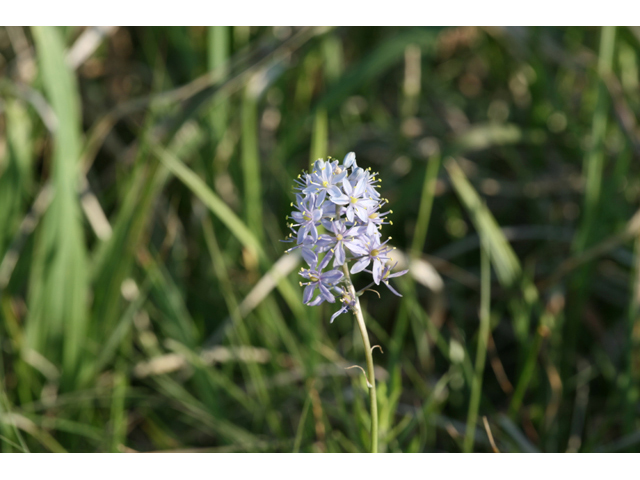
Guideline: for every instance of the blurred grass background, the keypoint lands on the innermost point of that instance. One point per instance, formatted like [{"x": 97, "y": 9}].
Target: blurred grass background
[{"x": 145, "y": 176}]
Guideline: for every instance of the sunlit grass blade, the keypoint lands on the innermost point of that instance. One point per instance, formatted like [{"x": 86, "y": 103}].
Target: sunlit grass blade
[
  {"x": 503, "y": 257},
  {"x": 237, "y": 227},
  {"x": 58, "y": 299}
]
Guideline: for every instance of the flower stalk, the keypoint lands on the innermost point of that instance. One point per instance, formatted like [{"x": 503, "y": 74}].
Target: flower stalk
[{"x": 371, "y": 377}]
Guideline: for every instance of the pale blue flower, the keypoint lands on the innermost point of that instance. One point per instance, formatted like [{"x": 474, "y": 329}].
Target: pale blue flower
[
  {"x": 323, "y": 281},
  {"x": 370, "y": 182},
  {"x": 370, "y": 250},
  {"x": 375, "y": 220},
  {"x": 342, "y": 236},
  {"x": 386, "y": 275},
  {"x": 325, "y": 179},
  {"x": 353, "y": 199}
]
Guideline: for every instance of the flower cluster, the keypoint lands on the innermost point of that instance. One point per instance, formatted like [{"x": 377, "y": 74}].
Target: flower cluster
[{"x": 337, "y": 217}]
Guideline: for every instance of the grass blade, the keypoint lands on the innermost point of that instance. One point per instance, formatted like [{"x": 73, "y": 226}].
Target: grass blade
[{"x": 58, "y": 299}]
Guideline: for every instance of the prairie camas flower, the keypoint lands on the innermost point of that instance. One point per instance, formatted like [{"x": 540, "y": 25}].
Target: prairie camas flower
[
  {"x": 371, "y": 250},
  {"x": 343, "y": 236},
  {"x": 386, "y": 275},
  {"x": 325, "y": 179},
  {"x": 308, "y": 216},
  {"x": 354, "y": 200},
  {"x": 342, "y": 200},
  {"x": 323, "y": 281}
]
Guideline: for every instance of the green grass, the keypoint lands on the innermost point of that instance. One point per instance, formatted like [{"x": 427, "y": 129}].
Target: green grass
[{"x": 145, "y": 299}]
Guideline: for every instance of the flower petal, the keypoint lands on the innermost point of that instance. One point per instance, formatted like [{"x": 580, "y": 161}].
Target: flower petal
[
  {"x": 342, "y": 310},
  {"x": 316, "y": 301},
  {"x": 308, "y": 293},
  {"x": 397, "y": 274},
  {"x": 377, "y": 271},
  {"x": 309, "y": 256},
  {"x": 326, "y": 294},
  {"x": 321, "y": 195},
  {"x": 393, "y": 290},
  {"x": 331, "y": 277},
  {"x": 304, "y": 230},
  {"x": 358, "y": 190},
  {"x": 342, "y": 199},
  {"x": 348, "y": 189},
  {"x": 349, "y": 159},
  {"x": 340, "y": 255},
  {"x": 356, "y": 247},
  {"x": 361, "y": 212},
  {"x": 350, "y": 213},
  {"x": 360, "y": 265},
  {"x": 340, "y": 177},
  {"x": 325, "y": 261}
]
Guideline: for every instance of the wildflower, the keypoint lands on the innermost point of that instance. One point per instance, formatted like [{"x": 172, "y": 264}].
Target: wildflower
[
  {"x": 342, "y": 199},
  {"x": 348, "y": 303},
  {"x": 323, "y": 281},
  {"x": 371, "y": 250},
  {"x": 353, "y": 198},
  {"x": 325, "y": 179},
  {"x": 342, "y": 236},
  {"x": 370, "y": 181},
  {"x": 386, "y": 275},
  {"x": 375, "y": 220},
  {"x": 308, "y": 216}
]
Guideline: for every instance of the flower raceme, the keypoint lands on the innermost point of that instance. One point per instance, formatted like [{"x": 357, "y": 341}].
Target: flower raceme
[{"x": 341, "y": 200}]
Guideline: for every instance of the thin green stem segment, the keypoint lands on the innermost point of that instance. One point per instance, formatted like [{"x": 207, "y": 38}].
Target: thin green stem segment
[
  {"x": 426, "y": 204},
  {"x": 371, "y": 379},
  {"x": 481, "y": 354}
]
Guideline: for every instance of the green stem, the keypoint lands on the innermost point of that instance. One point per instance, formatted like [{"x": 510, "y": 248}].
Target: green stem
[
  {"x": 481, "y": 354},
  {"x": 526, "y": 375},
  {"x": 371, "y": 379},
  {"x": 426, "y": 204}
]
